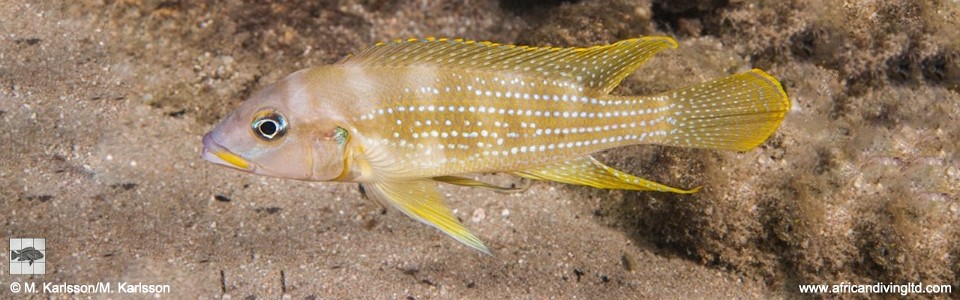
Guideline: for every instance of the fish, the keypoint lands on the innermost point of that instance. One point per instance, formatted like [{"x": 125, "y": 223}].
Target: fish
[
  {"x": 403, "y": 116},
  {"x": 29, "y": 253}
]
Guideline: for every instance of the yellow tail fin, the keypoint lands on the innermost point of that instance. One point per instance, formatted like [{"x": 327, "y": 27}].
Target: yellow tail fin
[{"x": 738, "y": 112}]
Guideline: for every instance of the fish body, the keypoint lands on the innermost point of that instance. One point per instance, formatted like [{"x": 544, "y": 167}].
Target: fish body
[
  {"x": 26, "y": 254},
  {"x": 399, "y": 117}
]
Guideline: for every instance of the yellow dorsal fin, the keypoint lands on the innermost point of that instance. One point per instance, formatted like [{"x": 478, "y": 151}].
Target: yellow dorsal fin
[
  {"x": 421, "y": 200},
  {"x": 590, "y": 172},
  {"x": 597, "y": 69}
]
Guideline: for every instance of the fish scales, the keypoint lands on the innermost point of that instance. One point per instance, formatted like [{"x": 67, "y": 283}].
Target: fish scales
[
  {"x": 495, "y": 121},
  {"x": 402, "y": 116}
]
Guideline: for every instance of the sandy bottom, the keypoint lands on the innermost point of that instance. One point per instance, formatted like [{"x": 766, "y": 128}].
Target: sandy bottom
[{"x": 103, "y": 104}]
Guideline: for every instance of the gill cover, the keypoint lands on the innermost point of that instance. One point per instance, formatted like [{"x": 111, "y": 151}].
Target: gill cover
[{"x": 272, "y": 134}]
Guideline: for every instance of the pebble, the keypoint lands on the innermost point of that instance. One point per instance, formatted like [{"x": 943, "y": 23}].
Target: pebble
[{"x": 478, "y": 215}]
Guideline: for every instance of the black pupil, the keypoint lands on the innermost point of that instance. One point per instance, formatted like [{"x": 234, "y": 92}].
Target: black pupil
[{"x": 268, "y": 127}]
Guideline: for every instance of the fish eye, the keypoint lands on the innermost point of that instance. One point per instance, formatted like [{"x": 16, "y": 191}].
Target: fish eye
[{"x": 269, "y": 125}]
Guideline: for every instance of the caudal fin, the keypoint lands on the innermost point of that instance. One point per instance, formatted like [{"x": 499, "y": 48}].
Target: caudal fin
[
  {"x": 738, "y": 112},
  {"x": 14, "y": 255}
]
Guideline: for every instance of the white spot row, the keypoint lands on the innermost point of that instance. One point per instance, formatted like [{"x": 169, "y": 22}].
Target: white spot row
[
  {"x": 575, "y": 130},
  {"x": 519, "y": 112}
]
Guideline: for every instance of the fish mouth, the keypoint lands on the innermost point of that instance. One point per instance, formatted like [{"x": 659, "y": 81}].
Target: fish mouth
[{"x": 218, "y": 154}]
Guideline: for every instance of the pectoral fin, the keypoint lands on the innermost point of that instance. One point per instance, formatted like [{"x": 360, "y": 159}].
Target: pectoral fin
[
  {"x": 590, "y": 172},
  {"x": 461, "y": 181},
  {"x": 421, "y": 200}
]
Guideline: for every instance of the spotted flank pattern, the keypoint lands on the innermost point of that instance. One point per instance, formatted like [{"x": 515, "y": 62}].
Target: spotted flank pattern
[{"x": 508, "y": 122}]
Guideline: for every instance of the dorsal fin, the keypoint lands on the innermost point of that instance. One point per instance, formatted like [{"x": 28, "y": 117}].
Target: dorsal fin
[{"x": 597, "y": 69}]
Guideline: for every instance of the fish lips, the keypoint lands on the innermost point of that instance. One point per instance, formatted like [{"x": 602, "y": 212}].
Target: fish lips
[{"x": 215, "y": 153}]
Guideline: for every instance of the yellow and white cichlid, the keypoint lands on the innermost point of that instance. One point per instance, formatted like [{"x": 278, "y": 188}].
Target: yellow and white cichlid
[{"x": 400, "y": 116}]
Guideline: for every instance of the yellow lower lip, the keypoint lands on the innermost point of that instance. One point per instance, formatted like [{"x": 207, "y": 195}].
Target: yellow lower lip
[{"x": 233, "y": 159}]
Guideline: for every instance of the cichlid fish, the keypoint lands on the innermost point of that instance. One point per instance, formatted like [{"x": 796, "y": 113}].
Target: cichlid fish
[
  {"x": 401, "y": 116},
  {"x": 29, "y": 253}
]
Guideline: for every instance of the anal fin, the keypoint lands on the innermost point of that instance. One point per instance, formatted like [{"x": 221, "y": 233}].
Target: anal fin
[
  {"x": 421, "y": 200},
  {"x": 462, "y": 181},
  {"x": 590, "y": 172}
]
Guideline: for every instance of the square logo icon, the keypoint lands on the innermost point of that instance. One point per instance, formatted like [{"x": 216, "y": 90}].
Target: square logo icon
[{"x": 28, "y": 256}]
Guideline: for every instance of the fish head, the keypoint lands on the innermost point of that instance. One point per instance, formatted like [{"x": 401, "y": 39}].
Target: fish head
[{"x": 273, "y": 133}]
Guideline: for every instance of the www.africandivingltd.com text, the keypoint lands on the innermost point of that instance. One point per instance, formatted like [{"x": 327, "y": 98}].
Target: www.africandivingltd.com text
[{"x": 876, "y": 288}]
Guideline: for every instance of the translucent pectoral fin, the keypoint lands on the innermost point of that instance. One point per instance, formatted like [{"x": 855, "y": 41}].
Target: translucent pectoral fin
[
  {"x": 461, "y": 181},
  {"x": 421, "y": 200},
  {"x": 590, "y": 172}
]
